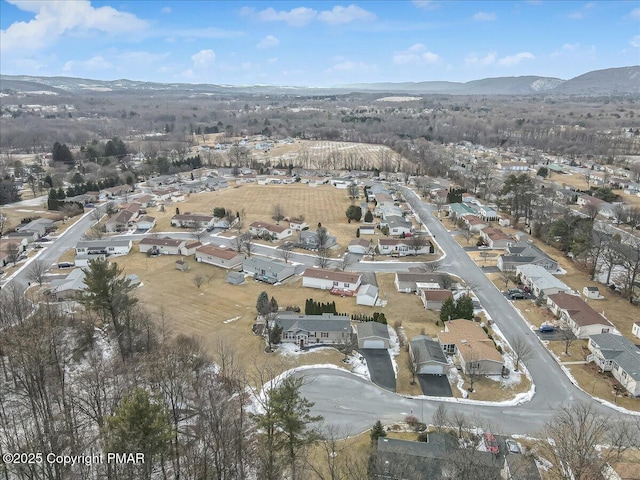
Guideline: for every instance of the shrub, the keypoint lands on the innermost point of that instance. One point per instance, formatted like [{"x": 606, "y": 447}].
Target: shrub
[{"x": 411, "y": 420}]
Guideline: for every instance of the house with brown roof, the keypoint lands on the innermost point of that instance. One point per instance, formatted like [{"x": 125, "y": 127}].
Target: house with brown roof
[
  {"x": 297, "y": 224},
  {"x": 432, "y": 299},
  {"x": 219, "y": 256},
  {"x": 405, "y": 246},
  {"x": 145, "y": 222},
  {"x": 164, "y": 246},
  {"x": 359, "y": 245},
  {"x": 120, "y": 221},
  {"x": 578, "y": 315},
  {"x": 190, "y": 247},
  {"x": 470, "y": 345},
  {"x": 475, "y": 224},
  {"x": 264, "y": 229},
  {"x": 495, "y": 238},
  {"x": 343, "y": 283},
  {"x": 189, "y": 220}
]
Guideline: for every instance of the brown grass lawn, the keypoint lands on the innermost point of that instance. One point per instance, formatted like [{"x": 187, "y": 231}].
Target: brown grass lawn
[
  {"x": 491, "y": 390},
  {"x": 324, "y": 204},
  {"x": 601, "y": 385}
]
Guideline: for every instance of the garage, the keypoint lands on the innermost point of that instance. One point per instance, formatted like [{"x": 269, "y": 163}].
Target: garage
[
  {"x": 372, "y": 335},
  {"x": 373, "y": 344},
  {"x": 434, "y": 369}
]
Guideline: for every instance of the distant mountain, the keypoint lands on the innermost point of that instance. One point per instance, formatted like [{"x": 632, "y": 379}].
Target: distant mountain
[
  {"x": 612, "y": 81},
  {"x": 624, "y": 80}
]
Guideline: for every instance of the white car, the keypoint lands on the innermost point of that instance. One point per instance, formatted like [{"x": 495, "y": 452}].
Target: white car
[{"x": 512, "y": 446}]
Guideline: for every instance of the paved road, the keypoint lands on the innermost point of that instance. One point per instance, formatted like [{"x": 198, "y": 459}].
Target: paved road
[
  {"x": 332, "y": 390},
  {"x": 380, "y": 367}
]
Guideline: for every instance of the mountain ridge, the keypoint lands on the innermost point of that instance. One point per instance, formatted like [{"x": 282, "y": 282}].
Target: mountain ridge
[{"x": 620, "y": 80}]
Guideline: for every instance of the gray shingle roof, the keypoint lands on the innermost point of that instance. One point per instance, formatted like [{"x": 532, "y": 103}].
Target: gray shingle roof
[
  {"x": 327, "y": 322},
  {"x": 427, "y": 349},
  {"x": 621, "y": 350},
  {"x": 266, "y": 264},
  {"x": 372, "y": 329}
]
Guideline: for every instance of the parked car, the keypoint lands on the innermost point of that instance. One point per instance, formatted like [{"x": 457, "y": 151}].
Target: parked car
[
  {"x": 516, "y": 294},
  {"x": 546, "y": 328},
  {"x": 491, "y": 443},
  {"x": 512, "y": 445}
]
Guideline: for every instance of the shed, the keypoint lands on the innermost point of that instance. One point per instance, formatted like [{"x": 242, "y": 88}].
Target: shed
[
  {"x": 372, "y": 335},
  {"x": 592, "y": 292},
  {"x": 235, "y": 278},
  {"x": 367, "y": 295},
  {"x": 182, "y": 265}
]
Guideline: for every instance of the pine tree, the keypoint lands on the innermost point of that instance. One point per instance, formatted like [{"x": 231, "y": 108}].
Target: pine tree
[
  {"x": 376, "y": 432},
  {"x": 448, "y": 310},
  {"x": 464, "y": 307}
]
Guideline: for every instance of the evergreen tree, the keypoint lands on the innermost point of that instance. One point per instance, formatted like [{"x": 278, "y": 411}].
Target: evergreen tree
[
  {"x": 354, "y": 213},
  {"x": 368, "y": 217},
  {"x": 60, "y": 194},
  {"x": 139, "y": 425},
  {"x": 52, "y": 201},
  {"x": 376, "y": 432},
  {"x": 448, "y": 310},
  {"x": 464, "y": 307}
]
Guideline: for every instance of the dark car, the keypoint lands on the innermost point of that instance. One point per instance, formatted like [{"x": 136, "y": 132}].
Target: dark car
[
  {"x": 517, "y": 294},
  {"x": 546, "y": 328}
]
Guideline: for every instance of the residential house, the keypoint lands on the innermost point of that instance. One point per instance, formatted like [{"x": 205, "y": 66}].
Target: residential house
[
  {"x": 539, "y": 281},
  {"x": 373, "y": 335},
  {"x": 473, "y": 349},
  {"x": 521, "y": 467},
  {"x": 473, "y": 223},
  {"x": 618, "y": 355},
  {"x": 190, "y": 247},
  {"x": 109, "y": 247},
  {"x": 427, "y": 356},
  {"x": 297, "y": 224},
  {"x": 263, "y": 229},
  {"x": 525, "y": 253},
  {"x": 120, "y": 221},
  {"x": 117, "y": 191},
  {"x": 495, "y": 238},
  {"x": 41, "y": 226},
  {"x": 408, "y": 282},
  {"x": 235, "y": 278},
  {"x": 164, "y": 246},
  {"x": 397, "y": 225},
  {"x": 304, "y": 330},
  {"x": 146, "y": 200},
  {"x": 21, "y": 237},
  {"x": 488, "y": 213},
  {"x": 343, "y": 283},
  {"x": 70, "y": 286},
  {"x": 367, "y": 229},
  {"x": 367, "y": 295},
  {"x": 359, "y": 246},
  {"x": 219, "y": 256},
  {"x": 432, "y": 299},
  {"x": 583, "y": 320},
  {"x": 405, "y": 246},
  {"x": 9, "y": 248},
  {"x": 309, "y": 240},
  {"x": 189, "y": 220},
  {"x": 145, "y": 222},
  {"x": 408, "y": 460},
  {"x": 268, "y": 270}
]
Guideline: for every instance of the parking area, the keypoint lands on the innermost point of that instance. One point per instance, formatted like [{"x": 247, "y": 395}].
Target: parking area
[
  {"x": 380, "y": 367},
  {"x": 435, "y": 385},
  {"x": 557, "y": 335}
]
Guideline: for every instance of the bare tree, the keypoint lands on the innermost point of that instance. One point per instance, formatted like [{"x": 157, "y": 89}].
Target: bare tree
[
  {"x": 413, "y": 363},
  {"x": 322, "y": 236},
  {"x": 3, "y": 224},
  {"x": 37, "y": 272},
  {"x": 247, "y": 246},
  {"x": 620, "y": 213},
  {"x": 577, "y": 431},
  {"x": 417, "y": 243},
  {"x": 198, "y": 233},
  {"x": 432, "y": 266},
  {"x": 522, "y": 350},
  {"x": 505, "y": 277},
  {"x": 440, "y": 417},
  {"x": 460, "y": 421},
  {"x": 13, "y": 253},
  {"x": 345, "y": 260},
  {"x": 592, "y": 210},
  {"x": 285, "y": 252},
  {"x": 567, "y": 337},
  {"x": 277, "y": 213},
  {"x": 199, "y": 280},
  {"x": 322, "y": 260}
]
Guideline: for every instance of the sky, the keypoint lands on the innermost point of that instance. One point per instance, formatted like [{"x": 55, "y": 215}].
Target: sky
[{"x": 311, "y": 43}]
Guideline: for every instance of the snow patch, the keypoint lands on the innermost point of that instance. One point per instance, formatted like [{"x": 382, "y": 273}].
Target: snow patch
[
  {"x": 229, "y": 320},
  {"x": 394, "y": 348}
]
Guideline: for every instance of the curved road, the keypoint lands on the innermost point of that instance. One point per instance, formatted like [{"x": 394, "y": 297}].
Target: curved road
[{"x": 353, "y": 405}]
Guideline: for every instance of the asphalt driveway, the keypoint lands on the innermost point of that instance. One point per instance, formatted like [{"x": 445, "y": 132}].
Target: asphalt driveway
[
  {"x": 380, "y": 367},
  {"x": 435, "y": 385}
]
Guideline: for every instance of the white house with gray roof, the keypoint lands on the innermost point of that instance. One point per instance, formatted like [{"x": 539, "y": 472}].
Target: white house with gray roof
[
  {"x": 106, "y": 247},
  {"x": 427, "y": 356},
  {"x": 525, "y": 253},
  {"x": 304, "y": 330},
  {"x": 618, "y": 355},
  {"x": 267, "y": 269},
  {"x": 540, "y": 281}
]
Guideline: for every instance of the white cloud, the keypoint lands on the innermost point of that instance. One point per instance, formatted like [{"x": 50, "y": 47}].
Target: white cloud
[
  {"x": 54, "y": 19},
  {"x": 635, "y": 41},
  {"x": 203, "y": 58},
  {"x": 474, "y": 59},
  {"x": 268, "y": 42},
  {"x": 188, "y": 73},
  {"x": 211, "y": 32},
  {"x": 635, "y": 13},
  {"x": 348, "y": 65},
  {"x": 272, "y": 60},
  {"x": 297, "y": 17},
  {"x": 511, "y": 60},
  {"x": 576, "y": 16},
  {"x": 426, "y": 4},
  {"x": 485, "y": 17},
  {"x": 570, "y": 47},
  {"x": 95, "y": 63},
  {"x": 166, "y": 10},
  {"x": 416, "y": 54},
  {"x": 339, "y": 15}
]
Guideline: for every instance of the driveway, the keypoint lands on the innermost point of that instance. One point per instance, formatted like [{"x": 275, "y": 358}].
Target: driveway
[
  {"x": 435, "y": 385},
  {"x": 380, "y": 367},
  {"x": 557, "y": 335}
]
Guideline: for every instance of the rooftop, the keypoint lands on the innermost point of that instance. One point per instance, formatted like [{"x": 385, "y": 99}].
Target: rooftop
[{"x": 621, "y": 350}]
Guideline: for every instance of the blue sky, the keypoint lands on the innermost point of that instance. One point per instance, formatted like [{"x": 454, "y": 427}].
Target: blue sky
[{"x": 315, "y": 43}]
